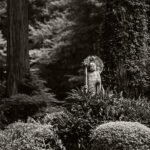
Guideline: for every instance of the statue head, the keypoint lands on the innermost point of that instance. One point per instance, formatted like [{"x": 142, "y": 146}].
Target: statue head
[
  {"x": 92, "y": 67},
  {"x": 93, "y": 63}
]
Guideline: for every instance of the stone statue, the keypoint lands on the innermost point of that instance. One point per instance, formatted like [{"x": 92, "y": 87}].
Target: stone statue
[{"x": 93, "y": 68}]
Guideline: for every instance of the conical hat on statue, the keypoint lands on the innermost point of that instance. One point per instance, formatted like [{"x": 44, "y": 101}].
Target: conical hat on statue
[{"x": 99, "y": 63}]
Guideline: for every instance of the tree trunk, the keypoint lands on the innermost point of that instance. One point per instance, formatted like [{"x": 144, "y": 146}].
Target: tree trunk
[{"x": 17, "y": 48}]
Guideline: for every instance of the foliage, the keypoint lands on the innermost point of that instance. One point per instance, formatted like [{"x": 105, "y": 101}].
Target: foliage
[
  {"x": 2, "y": 42},
  {"x": 64, "y": 124},
  {"x": 65, "y": 32},
  {"x": 22, "y": 106},
  {"x": 48, "y": 36},
  {"x": 2, "y": 56},
  {"x": 110, "y": 108},
  {"x": 88, "y": 112},
  {"x": 53, "y": 36},
  {"x": 60, "y": 117},
  {"x": 101, "y": 28},
  {"x": 2, "y": 64},
  {"x": 3, "y": 15},
  {"x": 126, "y": 44},
  {"x": 74, "y": 128},
  {"x": 85, "y": 113},
  {"x": 121, "y": 135},
  {"x": 33, "y": 84},
  {"x": 61, "y": 34},
  {"x": 30, "y": 136}
]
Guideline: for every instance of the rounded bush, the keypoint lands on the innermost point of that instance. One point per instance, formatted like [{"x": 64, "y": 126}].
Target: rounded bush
[
  {"x": 3, "y": 140},
  {"x": 121, "y": 136},
  {"x": 29, "y": 136}
]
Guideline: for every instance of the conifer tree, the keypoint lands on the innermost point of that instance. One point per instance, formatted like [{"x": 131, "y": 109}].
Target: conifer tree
[{"x": 17, "y": 48}]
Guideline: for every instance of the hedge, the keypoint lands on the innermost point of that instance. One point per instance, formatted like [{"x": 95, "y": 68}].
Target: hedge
[{"x": 121, "y": 136}]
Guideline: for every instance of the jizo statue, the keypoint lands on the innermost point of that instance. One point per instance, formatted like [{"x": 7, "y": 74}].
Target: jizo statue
[{"x": 93, "y": 69}]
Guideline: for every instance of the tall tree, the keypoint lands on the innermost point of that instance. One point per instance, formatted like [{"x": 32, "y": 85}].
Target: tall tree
[{"x": 17, "y": 50}]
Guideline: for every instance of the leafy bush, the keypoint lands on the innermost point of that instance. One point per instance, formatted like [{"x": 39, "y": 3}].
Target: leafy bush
[
  {"x": 21, "y": 106},
  {"x": 61, "y": 121},
  {"x": 111, "y": 107},
  {"x": 29, "y": 136},
  {"x": 2, "y": 140},
  {"x": 121, "y": 135},
  {"x": 88, "y": 112},
  {"x": 74, "y": 127},
  {"x": 60, "y": 118}
]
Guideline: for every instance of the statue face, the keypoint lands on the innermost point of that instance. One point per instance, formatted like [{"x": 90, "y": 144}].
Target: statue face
[{"x": 92, "y": 67}]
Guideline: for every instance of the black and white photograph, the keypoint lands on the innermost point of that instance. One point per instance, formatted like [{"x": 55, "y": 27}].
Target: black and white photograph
[{"x": 74, "y": 74}]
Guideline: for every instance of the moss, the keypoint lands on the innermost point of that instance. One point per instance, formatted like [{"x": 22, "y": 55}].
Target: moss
[{"x": 121, "y": 135}]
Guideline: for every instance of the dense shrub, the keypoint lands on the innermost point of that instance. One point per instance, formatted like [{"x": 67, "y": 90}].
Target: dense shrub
[
  {"x": 111, "y": 107},
  {"x": 63, "y": 122},
  {"x": 2, "y": 140},
  {"x": 21, "y": 106},
  {"x": 29, "y": 136},
  {"x": 60, "y": 118},
  {"x": 74, "y": 127},
  {"x": 88, "y": 112},
  {"x": 121, "y": 135}
]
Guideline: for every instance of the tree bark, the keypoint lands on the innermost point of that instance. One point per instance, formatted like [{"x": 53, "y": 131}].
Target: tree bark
[{"x": 17, "y": 45}]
